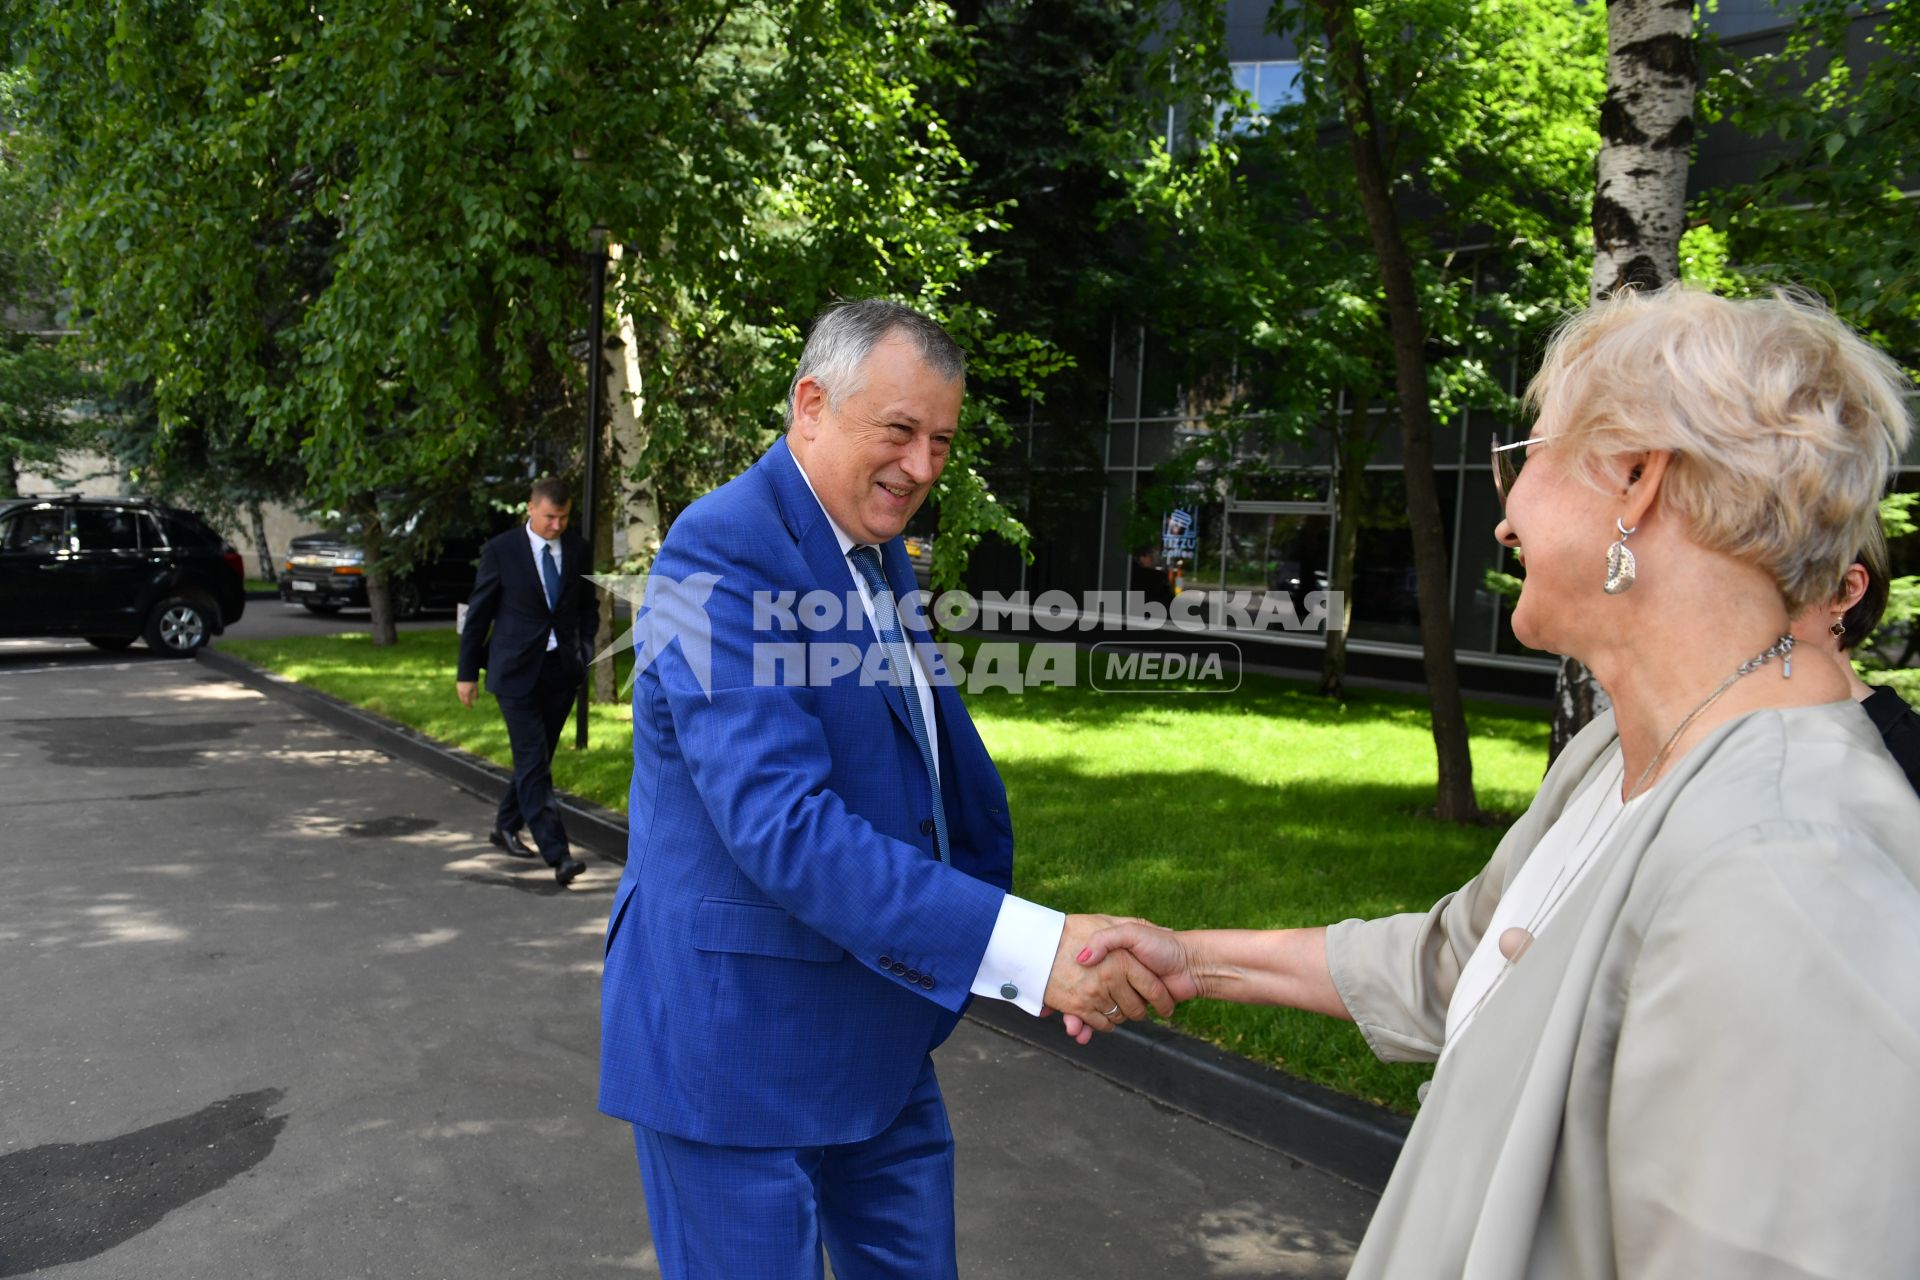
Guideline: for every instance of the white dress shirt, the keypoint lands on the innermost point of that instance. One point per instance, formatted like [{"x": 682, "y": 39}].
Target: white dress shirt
[
  {"x": 540, "y": 546},
  {"x": 1026, "y": 935}
]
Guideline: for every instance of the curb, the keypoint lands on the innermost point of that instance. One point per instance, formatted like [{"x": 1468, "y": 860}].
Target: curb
[
  {"x": 1332, "y": 1132},
  {"x": 1343, "y": 1136},
  {"x": 601, "y": 830}
]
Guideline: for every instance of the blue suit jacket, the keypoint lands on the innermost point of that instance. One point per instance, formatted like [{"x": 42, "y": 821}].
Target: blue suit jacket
[{"x": 785, "y": 947}]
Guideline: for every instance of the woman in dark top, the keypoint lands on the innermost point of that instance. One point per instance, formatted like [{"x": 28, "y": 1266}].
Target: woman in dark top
[{"x": 1848, "y": 619}]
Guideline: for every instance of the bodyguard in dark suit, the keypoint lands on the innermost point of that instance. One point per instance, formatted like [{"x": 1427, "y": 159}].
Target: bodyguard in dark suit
[{"x": 530, "y": 620}]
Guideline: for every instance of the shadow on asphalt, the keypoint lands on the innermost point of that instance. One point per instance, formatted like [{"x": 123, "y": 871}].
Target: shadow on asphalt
[
  {"x": 68, "y": 1201},
  {"x": 55, "y": 655},
  {"x": 127, "y": 741},
  {"x": 539, "y": 886}
]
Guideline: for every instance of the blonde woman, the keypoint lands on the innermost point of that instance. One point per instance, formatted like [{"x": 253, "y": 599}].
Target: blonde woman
[{"x": 1677, "y": 1016}]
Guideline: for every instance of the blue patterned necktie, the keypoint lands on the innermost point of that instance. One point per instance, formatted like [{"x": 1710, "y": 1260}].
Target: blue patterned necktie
[
  {"x": 886, "y": 621},
  {"x": 550, "y": 576}
]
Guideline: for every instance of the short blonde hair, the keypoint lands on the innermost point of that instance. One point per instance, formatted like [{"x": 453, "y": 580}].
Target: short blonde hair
[{"x": 1784, "y": 424}]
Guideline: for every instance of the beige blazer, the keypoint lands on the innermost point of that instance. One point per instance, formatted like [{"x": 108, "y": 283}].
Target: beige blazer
[{"x": 1707, "y": 1065}]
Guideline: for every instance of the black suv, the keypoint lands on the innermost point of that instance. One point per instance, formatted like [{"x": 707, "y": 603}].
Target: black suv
[{"x": 116, "y": 570}]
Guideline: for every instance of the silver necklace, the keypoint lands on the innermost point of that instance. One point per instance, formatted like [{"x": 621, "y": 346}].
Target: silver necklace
[
  {"x": 1515, "y": 939},
  {"x": 1781, "y": 649}
]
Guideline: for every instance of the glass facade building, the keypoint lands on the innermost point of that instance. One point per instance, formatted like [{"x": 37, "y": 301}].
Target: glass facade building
[{"x": 1088, "y": 491}]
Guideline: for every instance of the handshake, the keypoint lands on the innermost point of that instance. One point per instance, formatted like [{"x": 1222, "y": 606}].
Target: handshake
[{"x": 1110, "y": 970}]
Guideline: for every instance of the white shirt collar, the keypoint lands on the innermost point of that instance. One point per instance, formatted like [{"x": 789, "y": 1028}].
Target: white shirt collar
[
  {"x": 539, "y": 542},
  {"x": 846, "y": 543}
]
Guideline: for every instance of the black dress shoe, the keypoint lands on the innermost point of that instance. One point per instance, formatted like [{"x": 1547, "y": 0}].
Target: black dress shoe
[
  {"x": 512, "y": 843},
  {"x": 566, "y": 869}
]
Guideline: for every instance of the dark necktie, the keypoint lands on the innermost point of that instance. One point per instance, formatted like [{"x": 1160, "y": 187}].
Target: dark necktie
[
  {"x": 886, "y": 621},
  {"x": 550, "y": 576}
]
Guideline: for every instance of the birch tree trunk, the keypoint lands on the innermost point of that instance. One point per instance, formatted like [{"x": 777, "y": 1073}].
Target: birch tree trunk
[
  {"x": 1454, "y": 801},
  {"x": 632, "y": 506},
  {"x": 1639, "y": 209},
  {"x": 1646, "y": 142},
  {"x": 638, "y": 530}
]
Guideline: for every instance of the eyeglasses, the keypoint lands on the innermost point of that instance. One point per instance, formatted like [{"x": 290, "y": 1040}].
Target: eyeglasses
[{"x": 1507, "y": 461}]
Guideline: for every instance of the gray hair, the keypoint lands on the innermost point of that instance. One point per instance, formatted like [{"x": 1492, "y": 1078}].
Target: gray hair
[{"x": 845, "y": 335}]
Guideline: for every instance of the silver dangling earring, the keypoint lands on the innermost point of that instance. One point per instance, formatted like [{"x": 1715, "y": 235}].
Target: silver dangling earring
[{"x": 1620, "y": 566}]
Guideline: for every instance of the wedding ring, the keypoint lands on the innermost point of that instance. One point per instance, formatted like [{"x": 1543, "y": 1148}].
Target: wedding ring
[{"x": 1109, "y": 1013}]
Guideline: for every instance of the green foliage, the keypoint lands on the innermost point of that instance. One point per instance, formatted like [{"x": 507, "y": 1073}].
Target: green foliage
[
  {"x": 1902, "y": 612},
  {"x": 1896, "y": 514},
  {"x": 44, "y": 389},
  {"x": 1829, "y": 213},
  {"x": 1487, "y": 122},
  {"x": 1504, "y": 585},
  {"x": 39, "y": 384},
  {"x": 356, "y": 241}
]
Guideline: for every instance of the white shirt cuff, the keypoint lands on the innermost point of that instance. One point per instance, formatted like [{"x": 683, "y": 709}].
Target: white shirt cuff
[{"x": 1019, "y": 957}]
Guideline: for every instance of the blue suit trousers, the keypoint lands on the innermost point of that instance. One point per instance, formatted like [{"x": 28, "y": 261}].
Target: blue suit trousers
[{"x": 883, "y": 1208}]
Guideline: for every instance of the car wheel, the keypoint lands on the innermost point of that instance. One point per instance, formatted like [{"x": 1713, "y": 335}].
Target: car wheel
[
  {"x": 406, "y": 601},
  {"x": 114, "y": 643},
  {"x": 178, "y": 625},
  {"x": 324, "y": 610}
]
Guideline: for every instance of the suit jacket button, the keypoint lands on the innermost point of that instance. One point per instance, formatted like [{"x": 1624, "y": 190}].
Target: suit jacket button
[
  {"x": 1009, "y": 992},
  {"x": 926, "y": 982},
  {"x": 886, "y": 962},
  {"x": 926, "y": 826},
  {"x": 913, "y": 975},
  {"x": 899, "y": 969}
]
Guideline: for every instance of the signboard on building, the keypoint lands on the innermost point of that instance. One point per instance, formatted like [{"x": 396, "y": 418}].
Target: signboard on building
[{"x": 1179, "y": 535}]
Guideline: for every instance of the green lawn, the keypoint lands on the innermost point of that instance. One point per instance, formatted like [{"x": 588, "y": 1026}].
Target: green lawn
[{"x": 1263, "y": 808}]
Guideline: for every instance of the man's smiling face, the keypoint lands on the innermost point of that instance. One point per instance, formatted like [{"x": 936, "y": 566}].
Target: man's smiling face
[{"x": 873, "y": 458}]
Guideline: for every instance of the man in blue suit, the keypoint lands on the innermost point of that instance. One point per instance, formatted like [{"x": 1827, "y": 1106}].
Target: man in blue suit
[
  {"x": 530, "y": 619},
  {"x": 819, "y": 860}
]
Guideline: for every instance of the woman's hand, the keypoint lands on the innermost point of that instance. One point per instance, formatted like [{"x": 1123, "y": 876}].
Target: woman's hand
[{"x": 1161, "y": 950}]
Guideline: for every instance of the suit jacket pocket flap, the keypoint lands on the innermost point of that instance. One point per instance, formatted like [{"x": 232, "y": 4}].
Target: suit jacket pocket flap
[{"x": 758, "y": 929}]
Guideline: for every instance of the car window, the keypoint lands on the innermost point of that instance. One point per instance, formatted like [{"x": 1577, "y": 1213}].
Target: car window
[
  {"x": 35, "y": 529},
  {"x": 105, "y": 529},
  {"x": 185, "y": 529},
  {"x": 150, "y": 535}
]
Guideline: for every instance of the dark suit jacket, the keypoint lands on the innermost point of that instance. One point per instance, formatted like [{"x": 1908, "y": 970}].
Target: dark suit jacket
[{"x": 508, "y": 619}]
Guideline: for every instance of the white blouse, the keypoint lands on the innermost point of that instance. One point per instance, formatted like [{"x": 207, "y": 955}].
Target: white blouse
[{"x": 1563, "y": 858}]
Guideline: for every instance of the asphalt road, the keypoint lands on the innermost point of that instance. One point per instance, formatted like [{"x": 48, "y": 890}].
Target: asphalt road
[
  {"x": 273, "y": 619},
  {"x": 271, "y": 1006}
]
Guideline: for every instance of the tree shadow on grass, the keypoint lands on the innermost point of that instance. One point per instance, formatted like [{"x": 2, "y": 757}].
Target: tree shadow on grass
[{"x": 65, "y": 1202}]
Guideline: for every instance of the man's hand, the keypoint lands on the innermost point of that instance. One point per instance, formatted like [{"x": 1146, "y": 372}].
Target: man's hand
[
  {"x": 466, "y": 689},
  {"x": 1099, "y": 997}
]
